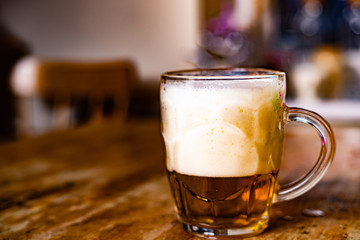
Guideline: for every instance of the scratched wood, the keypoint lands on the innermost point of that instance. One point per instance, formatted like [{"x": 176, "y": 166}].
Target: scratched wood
[{"x": 108, "y": 182}]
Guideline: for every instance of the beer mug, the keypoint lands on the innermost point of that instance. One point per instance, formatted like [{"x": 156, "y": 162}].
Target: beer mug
[{"x": 223, "y": 131}]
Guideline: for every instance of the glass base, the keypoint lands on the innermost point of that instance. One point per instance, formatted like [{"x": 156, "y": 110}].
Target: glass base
[{"x": 209, "y": 233}]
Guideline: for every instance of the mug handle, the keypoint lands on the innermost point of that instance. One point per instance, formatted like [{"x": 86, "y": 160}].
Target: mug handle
[{"x": 327, "y": 152}]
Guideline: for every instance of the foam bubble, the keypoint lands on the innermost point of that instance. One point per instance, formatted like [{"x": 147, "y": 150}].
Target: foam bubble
[{"x": 220, "y": 129}]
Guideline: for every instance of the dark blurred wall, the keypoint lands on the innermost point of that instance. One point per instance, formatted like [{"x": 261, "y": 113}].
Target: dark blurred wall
[{"x": 11, "y": 49}]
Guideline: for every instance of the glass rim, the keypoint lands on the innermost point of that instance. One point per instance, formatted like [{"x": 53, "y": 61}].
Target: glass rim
[{"x": 215, "y": 74}]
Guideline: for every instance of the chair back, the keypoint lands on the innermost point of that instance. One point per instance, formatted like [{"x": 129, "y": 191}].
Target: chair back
[{"x": 76, "y": 92}]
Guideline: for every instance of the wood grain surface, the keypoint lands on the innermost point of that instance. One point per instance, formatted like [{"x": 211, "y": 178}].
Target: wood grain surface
[{"x": 108, "y": 182}]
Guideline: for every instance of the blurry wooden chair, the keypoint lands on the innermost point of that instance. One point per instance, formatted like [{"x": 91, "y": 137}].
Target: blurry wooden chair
[{"x": 71, "y": 93}]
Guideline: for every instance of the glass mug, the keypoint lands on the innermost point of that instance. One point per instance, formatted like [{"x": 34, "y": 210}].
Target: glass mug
[{"x": 223, "y": 131}]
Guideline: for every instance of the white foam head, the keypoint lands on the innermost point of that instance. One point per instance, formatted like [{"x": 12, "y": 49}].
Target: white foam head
[{"x": 221, "y": 128}]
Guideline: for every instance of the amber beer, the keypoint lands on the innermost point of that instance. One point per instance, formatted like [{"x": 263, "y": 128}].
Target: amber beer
[
  {"x": 223, "y": 146},
  {"x": 218, "y": 202},
  {"x": 223, "y": 132}
]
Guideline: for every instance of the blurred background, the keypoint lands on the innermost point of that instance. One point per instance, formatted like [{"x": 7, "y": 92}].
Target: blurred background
[{"x": 315, "y": 42}]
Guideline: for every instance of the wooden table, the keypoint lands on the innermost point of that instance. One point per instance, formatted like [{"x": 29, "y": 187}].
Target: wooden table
[{"x": 108, "y": 182}]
